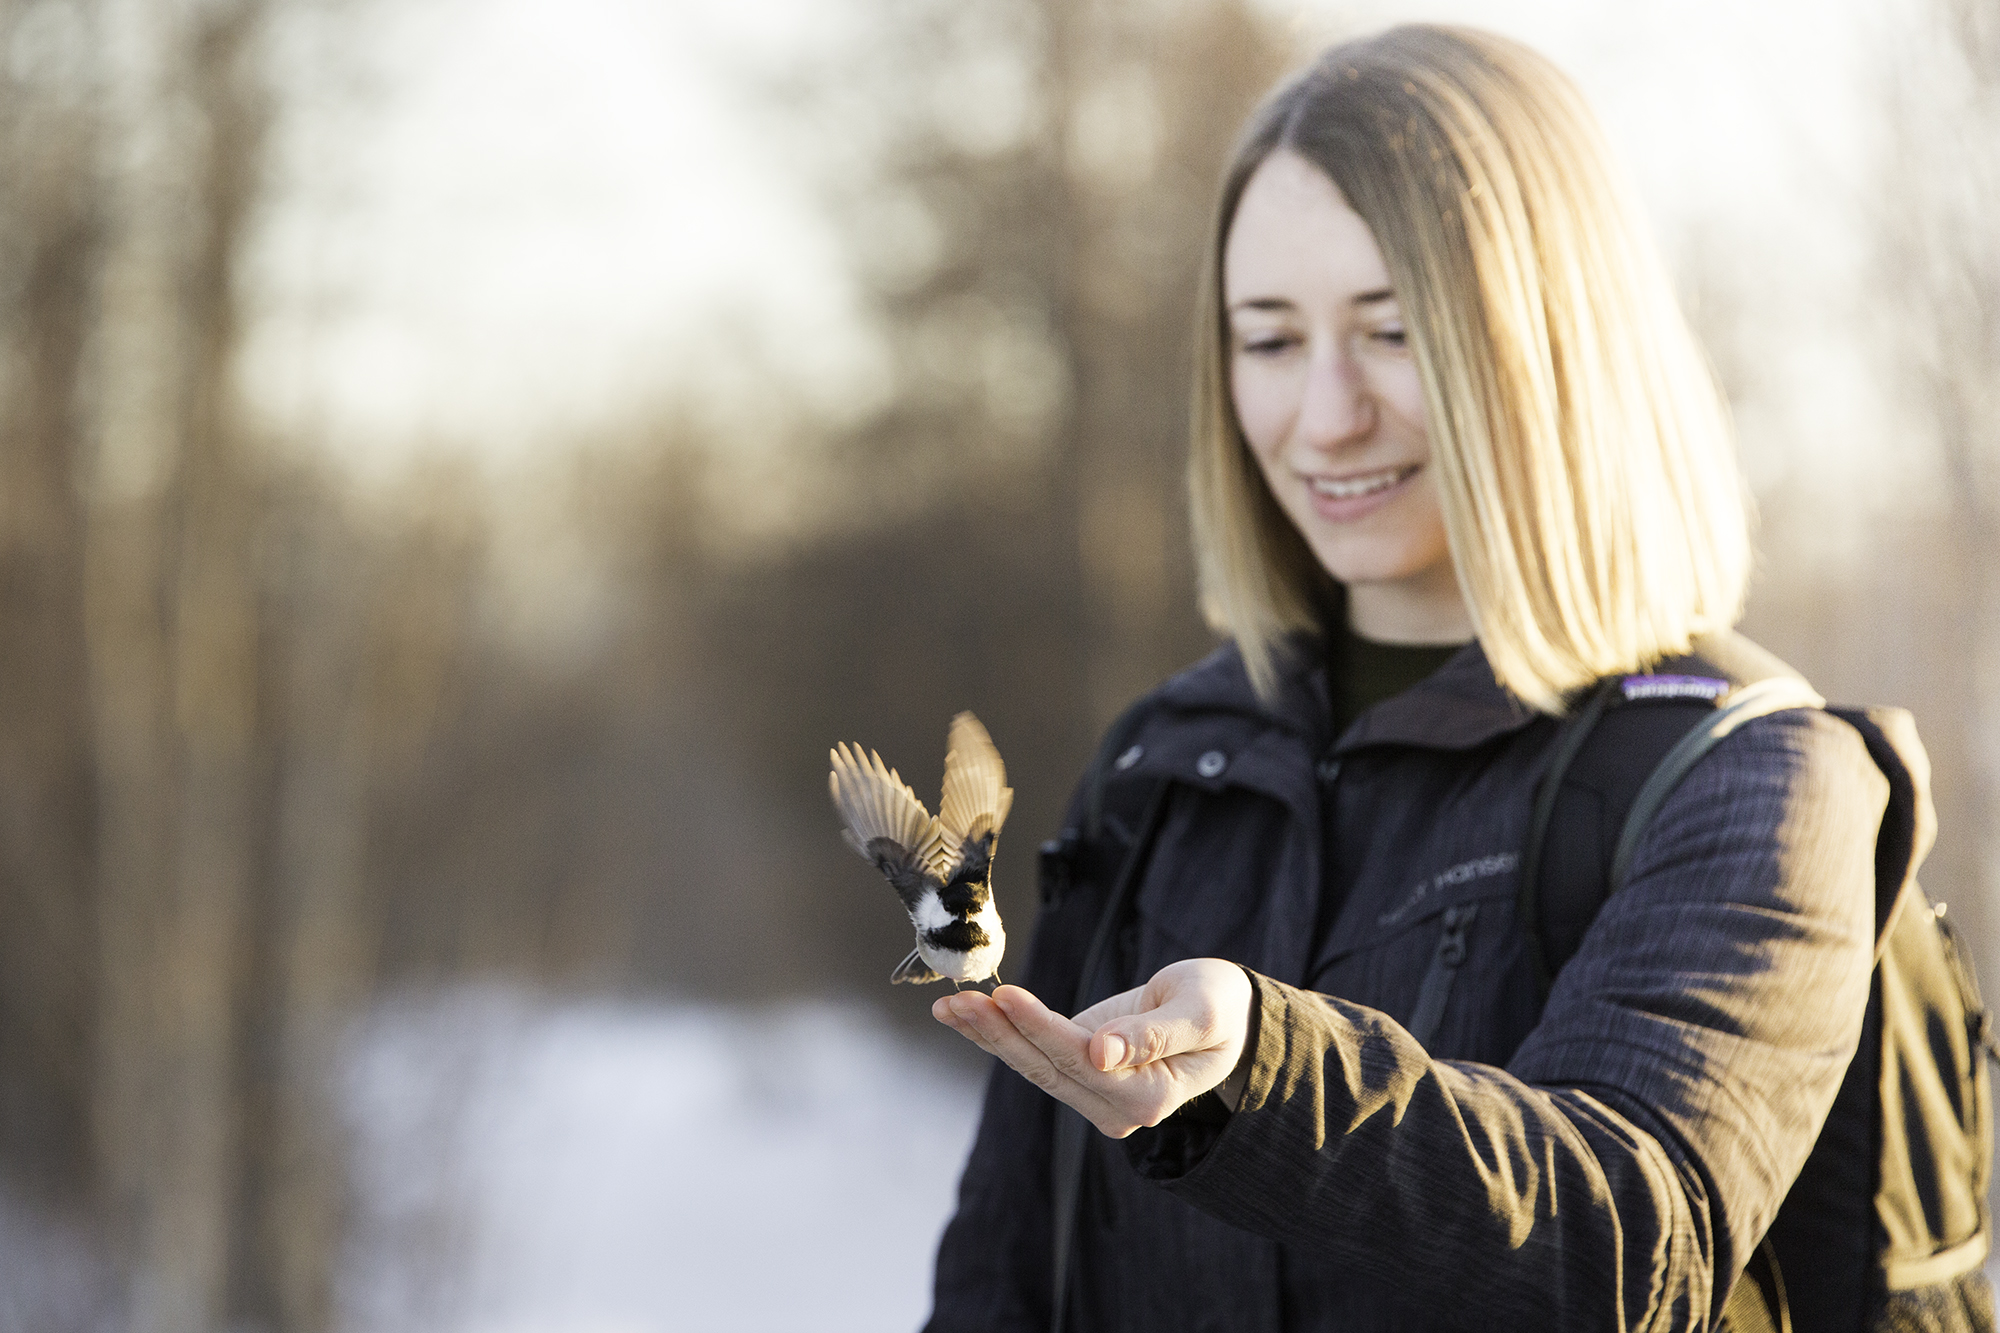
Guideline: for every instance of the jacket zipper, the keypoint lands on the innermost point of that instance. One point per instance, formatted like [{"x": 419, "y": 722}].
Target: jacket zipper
[
  {"x": 1327, "y": 770},
  {"x": 1436, "y": 988}
]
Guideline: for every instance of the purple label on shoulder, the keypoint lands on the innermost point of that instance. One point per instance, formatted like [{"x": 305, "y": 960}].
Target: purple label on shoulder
[{"x": 1673, "y": 687}]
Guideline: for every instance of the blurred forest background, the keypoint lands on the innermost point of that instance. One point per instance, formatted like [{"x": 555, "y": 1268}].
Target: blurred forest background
[{"x": 278, "y": 743}]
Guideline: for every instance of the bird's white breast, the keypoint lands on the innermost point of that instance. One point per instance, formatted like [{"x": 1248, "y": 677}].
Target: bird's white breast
[{"x": 968, "y": 965}]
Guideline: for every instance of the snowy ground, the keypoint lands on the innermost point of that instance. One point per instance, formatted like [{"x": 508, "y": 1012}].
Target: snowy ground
[{"x": 522, "y": 1167}]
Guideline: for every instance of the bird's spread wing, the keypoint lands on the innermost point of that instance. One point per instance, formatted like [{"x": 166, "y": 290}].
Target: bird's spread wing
[
  {"x": 976, "y": 795},
  {"x": 885, "y": 821}
]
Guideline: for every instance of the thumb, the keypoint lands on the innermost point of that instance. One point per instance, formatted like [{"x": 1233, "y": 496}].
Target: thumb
[
  {"x": 1197, "y": 1004},
  {"x": 1141, "y": 1039}
]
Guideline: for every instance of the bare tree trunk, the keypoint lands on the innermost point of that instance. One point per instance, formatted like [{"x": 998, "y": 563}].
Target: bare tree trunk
[
  {"x": 172, "y": 645},
  {"x": 321, "y": 944},
  {"x": 1938, "y": 237},
  {"x": 48, "y": 213},
  {"x": 1152, "y": 97}
]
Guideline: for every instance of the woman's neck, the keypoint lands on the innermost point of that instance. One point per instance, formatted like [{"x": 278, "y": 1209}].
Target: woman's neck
[{"x": 1401, "y": 613}]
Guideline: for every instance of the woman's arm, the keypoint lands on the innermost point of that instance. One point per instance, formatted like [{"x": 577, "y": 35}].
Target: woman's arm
[{"x": 1617, "y": 1173}]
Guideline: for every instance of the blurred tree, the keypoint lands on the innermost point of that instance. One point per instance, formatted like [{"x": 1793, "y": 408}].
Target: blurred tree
[
  {"x": 172, "y": 637},
  {"x": 1026, "y": 186},
  {"x": 1937, "y": 222},
  {"x": 1906, "y": 610},
  {"x": 51, "y": 243}
]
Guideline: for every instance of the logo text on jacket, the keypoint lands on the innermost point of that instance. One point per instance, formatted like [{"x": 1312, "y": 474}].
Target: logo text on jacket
[{"x": 1479, "y": 867}]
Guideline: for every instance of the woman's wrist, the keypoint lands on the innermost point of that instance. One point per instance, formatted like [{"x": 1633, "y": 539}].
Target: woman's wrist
[
  {"x": 1230, "y": 1090},
  {"x": 1239, "y": 1081}
]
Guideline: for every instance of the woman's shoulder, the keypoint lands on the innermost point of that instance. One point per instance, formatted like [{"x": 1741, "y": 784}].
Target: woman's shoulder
[
  {"x": 1770, "y": 730},
  {"x": 1796, "y": 733}
]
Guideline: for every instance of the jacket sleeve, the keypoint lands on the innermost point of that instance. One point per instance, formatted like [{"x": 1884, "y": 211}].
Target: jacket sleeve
[{"x": 1617, "y": 1173}]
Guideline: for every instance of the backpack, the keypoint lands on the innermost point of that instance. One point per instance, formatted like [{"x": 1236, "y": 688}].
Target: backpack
[{"x": 1886, "y": 1227}]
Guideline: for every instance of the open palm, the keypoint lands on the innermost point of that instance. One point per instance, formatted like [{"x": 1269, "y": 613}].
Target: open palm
[{"x": 1127, "y": 1061}]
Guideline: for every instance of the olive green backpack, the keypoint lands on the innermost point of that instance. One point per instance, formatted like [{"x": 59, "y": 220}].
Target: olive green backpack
[{"x": 1887, "y": 1226}]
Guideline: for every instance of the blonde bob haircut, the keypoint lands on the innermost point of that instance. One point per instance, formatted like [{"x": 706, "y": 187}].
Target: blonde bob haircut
[{"x": 1591, "y": 497}]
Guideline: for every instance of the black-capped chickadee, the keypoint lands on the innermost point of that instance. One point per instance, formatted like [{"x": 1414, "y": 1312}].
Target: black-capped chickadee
[{"x": 942, "y": 867}]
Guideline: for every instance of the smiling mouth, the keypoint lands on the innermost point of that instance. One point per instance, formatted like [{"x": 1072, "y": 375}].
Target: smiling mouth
[{"x": 1353, "y": 488}]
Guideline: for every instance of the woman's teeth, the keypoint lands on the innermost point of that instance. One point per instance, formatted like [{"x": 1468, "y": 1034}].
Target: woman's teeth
[{"x": 1354, "y": 487}]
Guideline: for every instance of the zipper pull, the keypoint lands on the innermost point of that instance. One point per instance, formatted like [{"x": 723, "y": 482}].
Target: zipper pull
[{"x": 1436, "y": 988}]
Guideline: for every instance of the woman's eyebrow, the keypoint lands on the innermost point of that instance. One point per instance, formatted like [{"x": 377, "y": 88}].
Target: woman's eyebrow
[
  {"x": 1280, "y": 303},
  {"x": 1262, "y": 303}
]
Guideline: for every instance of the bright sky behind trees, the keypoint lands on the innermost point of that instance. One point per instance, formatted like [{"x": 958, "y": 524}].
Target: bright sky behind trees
[{"x": 502, "y": 223}]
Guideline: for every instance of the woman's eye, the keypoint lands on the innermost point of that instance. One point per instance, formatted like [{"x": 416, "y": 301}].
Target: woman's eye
[
  {"x": 1391, "y": 337},
  {"x": 1267, "y": 344}
]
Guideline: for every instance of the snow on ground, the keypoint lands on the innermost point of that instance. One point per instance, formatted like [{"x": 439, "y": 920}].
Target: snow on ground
[
  {"x": 53, "y": 1278},
  {"x": 524, "y": 1166}
]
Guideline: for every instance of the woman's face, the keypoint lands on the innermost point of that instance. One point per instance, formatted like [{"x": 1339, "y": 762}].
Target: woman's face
[{"x": 1327, "y": 395}]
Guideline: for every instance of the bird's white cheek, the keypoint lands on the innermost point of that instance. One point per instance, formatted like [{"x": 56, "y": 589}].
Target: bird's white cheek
[
  {"x": 987, "y": 919},
  {"x": 930, "y": 913}
]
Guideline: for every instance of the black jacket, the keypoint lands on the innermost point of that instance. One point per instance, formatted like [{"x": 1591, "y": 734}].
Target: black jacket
[{"x": 1604, "y": 1162}]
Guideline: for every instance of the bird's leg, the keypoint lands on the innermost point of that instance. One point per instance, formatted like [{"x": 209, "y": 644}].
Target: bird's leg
[{"x": 955, "y": 987}]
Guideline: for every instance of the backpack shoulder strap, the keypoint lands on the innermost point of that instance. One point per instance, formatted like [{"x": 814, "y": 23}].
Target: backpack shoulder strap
[
  {"x": 1570, "y": 736},
  {"x": 1632, "y": 774},
  {"x": 1752, "y": 701}
]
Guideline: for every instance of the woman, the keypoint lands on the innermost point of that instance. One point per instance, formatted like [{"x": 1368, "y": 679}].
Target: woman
[{"x": 1456, "y": 457}]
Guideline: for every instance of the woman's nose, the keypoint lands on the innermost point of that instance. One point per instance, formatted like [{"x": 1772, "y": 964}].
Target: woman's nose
[{"x": 1336, "y": 408}]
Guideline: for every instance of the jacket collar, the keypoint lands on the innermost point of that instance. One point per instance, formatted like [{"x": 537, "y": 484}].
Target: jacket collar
[{"x": 1458, "y": 707}]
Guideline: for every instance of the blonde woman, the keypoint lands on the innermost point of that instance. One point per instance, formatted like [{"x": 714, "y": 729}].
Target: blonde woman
[{"x": 1456, "y": 460}]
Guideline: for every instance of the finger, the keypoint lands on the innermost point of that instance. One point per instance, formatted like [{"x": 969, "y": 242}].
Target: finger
[
  {"x": 1137, "y": 1094},
  {"x": 1063, "y": 1040},
  {"x": 1130, "y": 1099},
  {"x": 978, "y": 1018},
  {"x": 999, "y": 1026},
  {"x": 943, "y": 1012},
  {"x": 1049, "y": 1054}
]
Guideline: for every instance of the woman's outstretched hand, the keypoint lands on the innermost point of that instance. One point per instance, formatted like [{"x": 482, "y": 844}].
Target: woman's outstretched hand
[{"x": 1125, "y": 1062}]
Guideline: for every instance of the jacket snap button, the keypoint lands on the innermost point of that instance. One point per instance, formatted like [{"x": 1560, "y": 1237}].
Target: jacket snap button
[
  {"x": 1329, "y": 769},
  {"x": 1129, "y": 758},
  {"x": 1211, "y": 764}
]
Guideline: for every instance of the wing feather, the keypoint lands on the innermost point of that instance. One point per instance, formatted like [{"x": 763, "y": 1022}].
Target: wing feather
[
  {"x": 874, "y": 802},
  {"x": 976, "y": 795}
]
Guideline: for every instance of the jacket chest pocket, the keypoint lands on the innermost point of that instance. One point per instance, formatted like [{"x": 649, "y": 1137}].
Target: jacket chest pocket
[
  {"x": 1223, "y": 867},
  {"x": 1455, "y": 977}
]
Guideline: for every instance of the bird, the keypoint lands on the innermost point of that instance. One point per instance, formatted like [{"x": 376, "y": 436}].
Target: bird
[{"x": 940, "y": 866}]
